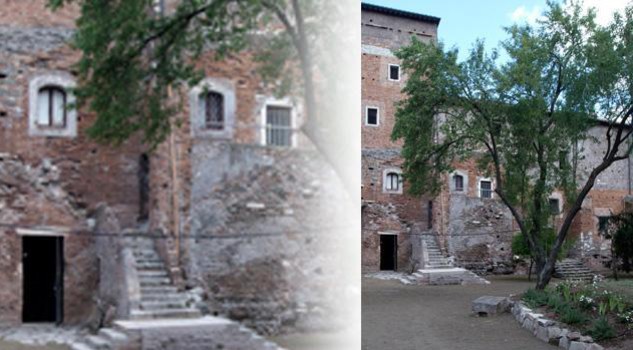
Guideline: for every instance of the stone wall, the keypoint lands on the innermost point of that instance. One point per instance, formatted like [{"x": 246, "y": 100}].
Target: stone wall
[
  {"x": 55, "y": 182},
  {"x": 34, "y": 196}
]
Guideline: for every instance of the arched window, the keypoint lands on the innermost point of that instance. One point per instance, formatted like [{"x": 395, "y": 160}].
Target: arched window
[
  {"x": 393, "y": 182},
  {"x": 213, "y": 109},
  {"x": 51, "y": 107},
  {"x": 458, "y": 182}
]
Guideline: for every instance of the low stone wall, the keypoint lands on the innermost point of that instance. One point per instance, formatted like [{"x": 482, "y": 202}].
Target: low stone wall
[{"x": 550, "y": 331}]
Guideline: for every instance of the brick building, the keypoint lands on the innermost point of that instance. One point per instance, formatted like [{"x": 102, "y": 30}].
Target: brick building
[
  {"x": 222, "y": 217},
  {"x": 470, "y": 227}
]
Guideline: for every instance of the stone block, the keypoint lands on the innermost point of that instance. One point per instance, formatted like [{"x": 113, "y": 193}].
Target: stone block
[
  {"x": 542, "y": 333},
  {"x": 576, "y": 345},
  {"x": 563, "y": 342},
  {"x": 595, "y": 346},
  {"x": 586, "y": 339},
  {"x": 490, "y": 306},
  {"x": 554, "y": 335}
]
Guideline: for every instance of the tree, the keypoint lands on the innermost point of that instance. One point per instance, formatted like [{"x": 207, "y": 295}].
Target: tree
[
  {"x": 620, "y": 231},
  {"x": 134, "y": 54},
  {"x": 523, "y": 120}
]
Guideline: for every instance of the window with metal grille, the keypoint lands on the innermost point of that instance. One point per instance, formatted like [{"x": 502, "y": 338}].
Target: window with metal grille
[
  {"x": 214, "y": 110},
  {"x": 394, "y": 72},
  {"x": 485, "y": 189},
  {"x": 372, "y": 116},
  {"x": 459, "y": 183},
  {"x": 278, "y": 126},
  {"x": 393, "y": 182},
  {"x": 554, "y": 206},
  {"x": 51, "y": 107}
]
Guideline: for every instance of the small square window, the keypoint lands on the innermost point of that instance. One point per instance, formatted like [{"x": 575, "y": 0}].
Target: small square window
[
  {"x": 393, "y": 182},
  {"x": 603, "y": 224},
  {"x": 278, "y": 126},
  {"x": 394, "y": 72},
  {"x": 372, "y": 116},
  {"x": 459, "y": 183},
  {"x": 554, "y": 206},
  {"x": 485, "y": 188},
  {"x": 213, "y": 110}
]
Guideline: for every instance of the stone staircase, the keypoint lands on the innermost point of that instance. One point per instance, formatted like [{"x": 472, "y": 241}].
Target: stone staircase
[
  {"x": 159, "y": 297},
  {"x": 573, "y": 269},
  {"x": 440, "y": 270},
  {"x": 166, "y": 318},
  {"x": 437, "y": 260}
]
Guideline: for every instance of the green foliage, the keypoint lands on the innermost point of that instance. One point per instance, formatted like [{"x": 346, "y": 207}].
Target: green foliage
[
  {"x": 547, "y": 236},
  {"x": 621, "y": 231},
  {"x": 134, "y": 59},
  {"x": 535, "y": 298},
  {"x": 571, "y": 315},
  {"x": 601, "y": 329},
  {"x": 522, "y": 120}
]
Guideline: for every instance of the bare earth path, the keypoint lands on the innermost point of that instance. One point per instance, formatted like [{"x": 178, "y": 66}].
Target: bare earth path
[
  {"x": 403, "y": 317},
  {"x": 4, "y": 345}
]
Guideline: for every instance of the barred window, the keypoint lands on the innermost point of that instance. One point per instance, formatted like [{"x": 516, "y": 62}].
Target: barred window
[
  {"x": 278, "y": 126},
  {"x": 394, "y": 72},
  {"x": 459, "y": 183},
  {"x": 214, "y": 110},
  {"x": 393, "y": 182},
  {"x": 485, "y": 188},
  {"x": 51, "y": 107}
]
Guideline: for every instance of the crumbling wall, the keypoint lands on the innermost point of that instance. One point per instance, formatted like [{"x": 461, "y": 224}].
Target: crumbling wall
[
  {"x": 480, "y": 234},
  {"x": 34, "y": 197},
  {"x": 258, "y": 233}
]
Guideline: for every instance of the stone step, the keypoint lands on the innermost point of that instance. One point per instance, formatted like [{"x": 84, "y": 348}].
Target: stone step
[
  {"x": 97, "y": 342},
  {"x": 158, "y": 290},
  {"x": 176, "y": 297},
  {"x": 163, "y": 304},
  {"x": 80, "y": 346},
  {"x": 113, "y": 336},
  {"x": 150, "y": 266},
  {"x": 154, "y": 281},
  {"x": 153, "y": 273},
  {"x": 165, "y": 313}
]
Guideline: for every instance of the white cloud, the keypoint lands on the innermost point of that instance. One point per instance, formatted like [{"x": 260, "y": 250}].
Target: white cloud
[
  {"x": 522, "y": 14},
  {"x": 606, "y": 8}
]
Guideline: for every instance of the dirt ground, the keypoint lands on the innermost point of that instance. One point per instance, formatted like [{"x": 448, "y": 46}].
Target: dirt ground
[
  {"x": 16, "y": 346},
  {"x": 401, "y": 317}
]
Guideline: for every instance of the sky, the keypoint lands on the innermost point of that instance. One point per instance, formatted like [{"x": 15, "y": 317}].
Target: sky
[{"x": 465, "y": 21}]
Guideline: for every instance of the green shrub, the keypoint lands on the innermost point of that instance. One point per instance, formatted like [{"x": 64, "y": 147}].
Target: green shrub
[
  {"x": 572, "y": 315},
  {"x": 535, "y": 298},
  {"x": 601, "y": 329},
  {"x": 520, "y": 245}
]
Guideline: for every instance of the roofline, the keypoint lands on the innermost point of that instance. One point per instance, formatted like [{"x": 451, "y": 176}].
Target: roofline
[{"x": 400, "y": 13}]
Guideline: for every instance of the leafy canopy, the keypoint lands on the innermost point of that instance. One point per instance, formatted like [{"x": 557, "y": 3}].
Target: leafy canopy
[{"x": 133, "y": 57}]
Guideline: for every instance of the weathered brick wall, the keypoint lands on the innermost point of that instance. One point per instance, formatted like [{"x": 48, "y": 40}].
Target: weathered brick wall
[
  {"x": 61, "y": 179},
  {"x": 402, "y": 214}
]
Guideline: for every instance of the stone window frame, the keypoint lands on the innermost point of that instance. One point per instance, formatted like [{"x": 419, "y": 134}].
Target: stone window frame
[
  {"x": 388, "y": 171},
  {"x": 222, "y": 86},
  {"x": 558, "y": 196},
  {"x": 451, "y": 182},
  {"x": 492, "y": 187},
  {"x": 367, "y": 108},
  {"x": 389, "y": 72},
  {"x": 285, "y": 102},
  {"x": 63, "y": 81}
]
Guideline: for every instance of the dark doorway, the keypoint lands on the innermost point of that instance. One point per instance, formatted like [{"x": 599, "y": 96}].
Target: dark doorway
[
  {"x": 43, "y": 276},
  {"x": 143, "y": 185},
  {"x": 388, "y": 252}
]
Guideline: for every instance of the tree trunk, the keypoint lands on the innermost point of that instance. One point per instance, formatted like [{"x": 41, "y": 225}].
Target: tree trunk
[
  {"x": 530, "y": 269},
  {"x": 545, "y": 274}
]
